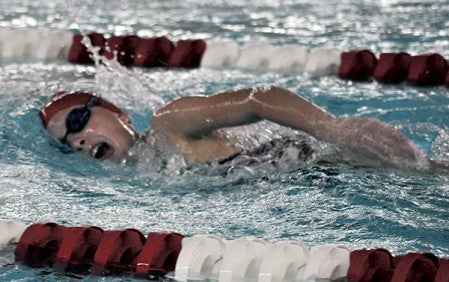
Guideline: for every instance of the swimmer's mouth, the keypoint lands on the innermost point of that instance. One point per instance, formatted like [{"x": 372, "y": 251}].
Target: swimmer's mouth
[{"x": 102, "y": 151}]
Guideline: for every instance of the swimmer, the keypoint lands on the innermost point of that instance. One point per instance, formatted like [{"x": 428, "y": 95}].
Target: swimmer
[{"x": 197, "y": 127}]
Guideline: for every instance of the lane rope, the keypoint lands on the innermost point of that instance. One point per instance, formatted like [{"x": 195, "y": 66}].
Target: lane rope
[
  {"x": 430, "y": 69},
  {"x": 90, "y": 250}
]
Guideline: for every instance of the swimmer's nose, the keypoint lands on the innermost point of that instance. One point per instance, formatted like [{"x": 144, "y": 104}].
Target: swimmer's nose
[{"x": 81, "y": 145}]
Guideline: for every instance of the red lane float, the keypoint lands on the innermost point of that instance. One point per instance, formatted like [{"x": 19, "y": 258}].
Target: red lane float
[
  {"x": 62, "y": 247},
  {"x": 420, "y": 70},
  {"x": 443, "y": 271},
  {"x": 122, "y": 48},
  {"x": 415, "y": 267},
  {"x": 144, "y": 52},
  {"x": 370, "y": 265},
  {"x": 153, "y": 52},
  {"x": 210, "y": 257},
  {"x": 357, "y": 65},
  {"x": 380, "y": 265},
  {"x": 78, "y": 52},
  {"x": 427, "y": 70},
  {"x": 39, "y": 244},
  {"x": 187, "y": 53},
  {"x": 78, "y": 246},
  {"x": 117, "y": 250},
  {"x": 159, "y": 254},
  {"x": 392, "y": 67}
]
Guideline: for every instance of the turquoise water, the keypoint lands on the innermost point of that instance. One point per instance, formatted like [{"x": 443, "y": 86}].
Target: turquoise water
[{"x": 357, "y": 207}]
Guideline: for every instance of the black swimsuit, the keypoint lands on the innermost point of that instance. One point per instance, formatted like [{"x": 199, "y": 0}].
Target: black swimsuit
[{"x": 293, "y": 148}]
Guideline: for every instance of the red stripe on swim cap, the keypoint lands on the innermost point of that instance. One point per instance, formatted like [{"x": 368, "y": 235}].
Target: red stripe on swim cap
[{"x": 63, "y": 100}]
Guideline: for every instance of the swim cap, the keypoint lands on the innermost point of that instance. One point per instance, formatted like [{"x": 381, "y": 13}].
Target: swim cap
[{"x": 63, "y": 100}]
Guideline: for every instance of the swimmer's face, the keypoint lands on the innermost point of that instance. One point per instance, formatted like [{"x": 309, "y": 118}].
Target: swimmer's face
[{"x": 104, "y": 136}]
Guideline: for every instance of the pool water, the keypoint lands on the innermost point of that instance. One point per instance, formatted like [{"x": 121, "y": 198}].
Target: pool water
[{"x": 315, "y": 204}]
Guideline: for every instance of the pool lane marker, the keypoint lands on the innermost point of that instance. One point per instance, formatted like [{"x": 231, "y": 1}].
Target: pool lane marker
[
  {"x": 429, "y": 69},
  {"x": 10, "y": 232},
  {"x": 200, "y": 258},
  {"x": 90, "y": 250},
  {"x": 159, "y": 254}
]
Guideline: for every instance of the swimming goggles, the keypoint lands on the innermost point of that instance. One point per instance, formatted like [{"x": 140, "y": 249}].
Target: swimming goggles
[{"x": 75, "y": 122}]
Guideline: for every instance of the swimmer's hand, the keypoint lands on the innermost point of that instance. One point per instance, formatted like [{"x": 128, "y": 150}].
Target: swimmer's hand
[{"x": 378, "y": 142}]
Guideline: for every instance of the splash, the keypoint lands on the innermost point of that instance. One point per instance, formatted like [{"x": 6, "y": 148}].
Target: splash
[
  {"x": 114, "y": 81},
  {"x": 440, "y": 145},
  {"x": 117, "y": 82}
]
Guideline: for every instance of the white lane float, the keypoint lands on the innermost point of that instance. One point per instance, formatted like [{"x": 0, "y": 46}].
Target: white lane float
[
  {"x": 255, "y": 56},
  {"x": 53, "y": 45},
  {"x": 325, "y": 262},
  {"x": 288, "y": 58},
  {"x": 323, "y": 61},
  {"x": 32, "y": 43},
  {"x": 242, "y": 259},
  {"x": 220, "y": 54},
  {"x": 10, "y": 231},
  {"x": 18, "y": 42},
  {"x": 200, "y": 257},
  {"x": 282, "y": 261}
]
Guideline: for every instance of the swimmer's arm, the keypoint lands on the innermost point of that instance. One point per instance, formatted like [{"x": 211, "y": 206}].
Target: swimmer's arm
[
  {"x": 378, "y": 142},
  {"x": 198, "y": 116}
]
